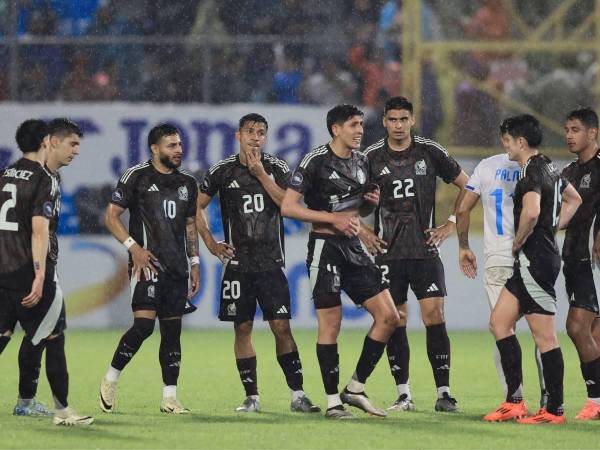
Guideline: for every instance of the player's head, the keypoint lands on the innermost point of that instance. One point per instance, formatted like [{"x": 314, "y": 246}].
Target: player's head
[
  {"x": 345, "y": 123},
  {"x": 581, "y": 129},
  {"x": 65, "y": 139},
  {"x": 32, "y": 135},
  {"x": 164, "y": 142},
  {"x": 398, "y": 118},
  {"x": 520, "y": 133},
  {"x": 252, "y": 133}
]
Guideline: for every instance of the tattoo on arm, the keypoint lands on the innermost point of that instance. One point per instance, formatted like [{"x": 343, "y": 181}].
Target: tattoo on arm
[
  {"x": 463, "y": 240},
  {"x": 191, "y": 238},
  {"x": 36, "y": 266}
]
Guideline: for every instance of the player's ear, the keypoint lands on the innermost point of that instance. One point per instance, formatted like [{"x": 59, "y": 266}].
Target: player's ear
[
  {"x": 412, "y": 120},
  {"x": 154, "y": 149},
  {"x": 593, "y": 133},
  {"x": 335, "y": 129},
  {"x": 238, "y": 135}
]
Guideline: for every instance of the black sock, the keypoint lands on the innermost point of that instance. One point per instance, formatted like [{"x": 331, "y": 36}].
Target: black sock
[
  {"x": 329, "y": 361},
  {"x": 169, "y": 353},
  {"x": 369, "y": 357},
  {"x": 247, "y": 369},
  {"x": 56, "y": 370},
  {"x": 30, "y": 361},
  {"x": 510, "y": 356},
  {"x": 292, "y": 369},
  {"x": 131, "y": 342},
  {"x": 554, "y": 371},
  {"x": 398, "y": 353},
  {"x": 438, "y": 351},
  {"x": 3, "y": 343},
  {"x": 591, "y": 376}
]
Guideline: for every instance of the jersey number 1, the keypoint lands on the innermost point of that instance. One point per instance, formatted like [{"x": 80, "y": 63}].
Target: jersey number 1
[{"x": 8, "y": 204}]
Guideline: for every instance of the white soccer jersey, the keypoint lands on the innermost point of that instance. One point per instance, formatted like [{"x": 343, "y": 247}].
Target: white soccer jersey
[{"x": 494, "y": 180}]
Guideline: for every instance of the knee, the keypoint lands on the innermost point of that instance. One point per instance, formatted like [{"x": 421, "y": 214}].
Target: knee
[
  {"x": 389, "y": 319},
  {"x": 499, "y": 329},
  {"x": 143, "y": 327},
  {"x": 329, "y": 332},
  {"x": 281, "y": 330},
  {"x": 243, "y": 330},
  {"x": 574, "y": 329},
  {"x": 434, "y": 316}
]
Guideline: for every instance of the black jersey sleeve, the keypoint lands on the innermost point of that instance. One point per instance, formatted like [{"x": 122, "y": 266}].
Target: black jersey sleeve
[
  {"x": 193, "y": 189},
  {"x": 445, "y": 165},
  {"x": 303, "y": 177},
  {"x": 123, "y": 195},
  {"x": 532, "y": 180},
  {"x": 211, "y": 182},
  {"x": 44, "y": 198},
  {"x": 281, "y": 172}
]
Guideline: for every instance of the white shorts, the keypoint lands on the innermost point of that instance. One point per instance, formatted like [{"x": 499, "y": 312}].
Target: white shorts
[{"x": 493, "y": 282}]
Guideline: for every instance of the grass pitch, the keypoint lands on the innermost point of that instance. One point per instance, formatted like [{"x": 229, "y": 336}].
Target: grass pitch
[{"x": 210, "y": 386}]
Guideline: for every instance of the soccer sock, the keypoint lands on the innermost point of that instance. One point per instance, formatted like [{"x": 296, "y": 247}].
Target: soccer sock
[
  {"x": 169, "y": 352},
  {"x": 131, "y": 342},
  {"x": 3, "y": 343},
  {"x": 438, "y": 351},
  {"x": 499, "y": 370},
  {"x": 292, "y": 369},
  {"x": 398, "y": 353},
  {"x": 369, "y": 357},
  {"x": 510, "y": 356},
  {"x": 30, "y": 361},
  {"x": 247, "y": 369},
  {"x": 540, "y": 368},
  {"x": 56, "y": 371},
  {"x": 329, "y": 361},
  {"x": 554, "y": 371},
  {"x": 591, "y": 376}
]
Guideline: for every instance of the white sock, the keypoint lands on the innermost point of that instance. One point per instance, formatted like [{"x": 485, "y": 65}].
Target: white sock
[
  {"x": 355, "y": 386},
  {"x": 333, "y": 400},
  {"x": 113, "y": 374},
  {"x": 595, "y": 400},
  {"x": 253, "y": 397},
  {"x": 500, "y": 370},
  {"x": 297, "y": 394},
  {"x": 519, "y": 391},
  {"x": 441, "y": 390},
  {"x": 404, "y": 389},
  {"x": 169, "y": 391}
]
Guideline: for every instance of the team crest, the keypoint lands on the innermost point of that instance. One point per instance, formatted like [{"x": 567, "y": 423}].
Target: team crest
[
  {"x": 421, "y": 167},
  {"x": 586, "y": 181},
  {"x": 48, "y": 209},
  {"x": 183, "y": 193},
  {"x": 360, "y": 175},
  {"x": 151, "y": 291},
  {"x": 297, "y": 179},
  {"x": 231, "y": 309},
  {"x": 117, "y": 195}
]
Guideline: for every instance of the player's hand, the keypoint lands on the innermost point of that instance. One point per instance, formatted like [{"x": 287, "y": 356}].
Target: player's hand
[
  {"x": 195, "y": 279},
  {"x": 222, "y": 250},
  {"x": 255, "y": 166},
  {"x": 438, "y": 235},
  {"x": 467, "y": 262},
  {"x": 372, "y": 196},
  {"x": 37, "y": 288},
  {"x": 143, "y": 261},
  {"x": 375, "y": 245},
  {"x": 515, "y": 249},
  {"x": 346, "y": 224}
]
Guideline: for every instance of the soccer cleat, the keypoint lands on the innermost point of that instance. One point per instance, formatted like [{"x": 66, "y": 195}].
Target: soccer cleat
[
  {"x": 108, "y": 394},
  {"x": 189, "y": 308},
  {"x": 304, "y": 405},
  {"x": 591, "y": 411},
  {"x": 171, "y": 405},
  {"x": 34, "y": 409},
  {"x": 250, "y": 404},
  {"x": 68, "y": 417},
  {"x": 507, "y": 411},
  {"x": 403, "y": 404},
  {"x": 361, "y": 401},
  {"x": 446, "y": 404},
  {"x": 543, "y": 416},
  {"x": 339, "y": 413}
]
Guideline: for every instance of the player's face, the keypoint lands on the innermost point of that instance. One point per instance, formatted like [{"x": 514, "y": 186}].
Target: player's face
[
  {"x": 252, "y": 137},
  {"x": 350, "y": 132},
  {"x": 579, "y": 137},
  {"x": 169, "y": 151},
  {"x": 512, "y": 146},
  {"x": 398, "y": 123},
  {"x": 65, "y": 149}
]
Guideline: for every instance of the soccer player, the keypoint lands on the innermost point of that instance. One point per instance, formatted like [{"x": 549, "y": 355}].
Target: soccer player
[
  {"x": 405, "y": 241},
  {"x": 162, "y": 241},
  {"x": 538, "y": 213},
  {"x": 333, "y": 179},
  {"x": 251, "y": 186},
  {"x": 583, "y": 325}
]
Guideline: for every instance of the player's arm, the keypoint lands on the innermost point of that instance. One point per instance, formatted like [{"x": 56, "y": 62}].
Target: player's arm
[
  {"x": 221, "y": 250},
  {"x": 596, "y": 231},
  {"x": 258, "y": 171},
  {"x": 568, "y": 206},
  {"x": 193, "y": 253},
  {"x": 40, "y": 237},
  {"x": 441, "y": 233},
  {"x": 466, "y": 258},
  {"x": 528, "y": 219}
]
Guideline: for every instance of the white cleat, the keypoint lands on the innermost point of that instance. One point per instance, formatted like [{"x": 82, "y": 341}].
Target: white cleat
[
  {"x": 361, "y": 401},
  {"x": 108, "y": 395},
  {"x": 403, "y": 404},
  {"x": 68, "y": 417},
  {"x": 250, "y": 404},
  {"x": 171, "y": 405}
]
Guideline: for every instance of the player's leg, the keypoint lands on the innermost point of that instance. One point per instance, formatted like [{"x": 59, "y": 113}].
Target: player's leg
[
  {"x": 245, "y": 359},
  {"x": 8, "y": 319}
]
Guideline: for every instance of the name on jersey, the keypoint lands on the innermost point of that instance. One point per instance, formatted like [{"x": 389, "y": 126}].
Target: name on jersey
[
  {"x": 18, "y": 174},
  {"x": 507, "y": 175}
]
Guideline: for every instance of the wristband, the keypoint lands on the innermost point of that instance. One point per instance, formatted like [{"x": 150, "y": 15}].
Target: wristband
[
  {"x": 129, "y": 242},
  {"x": 452, "y": 218},
  {"x": 194, "y": 261}
]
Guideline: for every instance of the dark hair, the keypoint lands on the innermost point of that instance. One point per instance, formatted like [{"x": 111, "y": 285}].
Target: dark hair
[
  {"x": 525, "y": 126},
  {"x": 586, "y": 116},
  {"x": 160, "y": 131},
  {"x": 398, "y": 103},
  {"x": 30, "y": 135},
  {"x": 253, "y": 117},
  {"x": 63, "y": 127},
  {"x": 340, "y": 114}
]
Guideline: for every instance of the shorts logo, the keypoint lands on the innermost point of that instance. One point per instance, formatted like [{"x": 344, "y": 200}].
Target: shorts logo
[
  {"x": 432, "y": 288},
  {"x": 48, "y": 209},
  {"x": 151, "y": 291},
  {"x": 297, "y": 179},
  {"x": 231, "y": 309},
  {"x": 586, "y": 181},
  {"x": 421, "y": 167},
  {"x": 282, "y": 310},
  {"x": 117, "y": 195},
  {"x": 361, "y": 176},
  {"x": 183, "y": 193}
]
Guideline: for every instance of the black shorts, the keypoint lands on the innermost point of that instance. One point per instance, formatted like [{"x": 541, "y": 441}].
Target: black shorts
[
  {"x": 533, "y": 282},
  {"x": 240, "y": 291},
  {"x": 44, "y": 319},
  {"x": 163, "y": 294},
  {"x": 337, "y": 263},
  {"x": 425, "y": 277},
  {"x": 579, "y": 281}
]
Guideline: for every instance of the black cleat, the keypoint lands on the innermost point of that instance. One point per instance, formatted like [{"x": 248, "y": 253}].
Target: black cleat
[{"x": 446, "y": 404}]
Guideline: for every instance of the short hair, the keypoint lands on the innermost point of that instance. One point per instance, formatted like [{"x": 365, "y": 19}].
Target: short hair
[
  {"x": 525, "y": 126},
  {"x": 253, "y": 117},
  {"x": 398, "y": 103},
  {"x": 340, "y": 114},
  {"x": 63, "y": 127},
  {"x": 160, "y": 131},
  {"x": 31, "y": 134},
  {"x": 586, "y": 116}
]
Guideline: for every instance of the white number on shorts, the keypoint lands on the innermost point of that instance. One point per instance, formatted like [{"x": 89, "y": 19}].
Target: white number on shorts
[
  {"x": 253, "y": 203},
  {"x": 385, "y": 270},
  {"x": 231, "y": 290},
  {"x": 404, "y": 188},
  {"x": 8, "y": 204}
]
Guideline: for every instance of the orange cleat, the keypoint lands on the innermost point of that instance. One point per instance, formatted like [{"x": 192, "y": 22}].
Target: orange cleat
[
  {"x": 543, "y": 416},
  {"x": 591, "y": 411},
  {"x": 507, "y": 411}
]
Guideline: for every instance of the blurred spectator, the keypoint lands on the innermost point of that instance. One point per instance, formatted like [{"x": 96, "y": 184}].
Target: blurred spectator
[
  {"x": 74, "y": 17},
  {"x": 104, "y": 83},
  {"x": 330, "y": 86},
  {"x": 373, "y": 123},
  {"x": 33, "y": 86},
  {"x": 77, "y": 83},
  {"x": 287, "y": 80}
]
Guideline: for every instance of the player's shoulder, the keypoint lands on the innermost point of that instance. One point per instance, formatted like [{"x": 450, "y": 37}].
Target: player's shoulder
[
  {"x": 134, "y": 172},
  {"x": 431, "y": 146},
  {"x": 224, "y": 163},
  {"x": 314, "y": 155},
  {"x": 187, "y": 176},
  {"x": 538, "y": 165},
  {"x": 276, "y": 161},
  {"x": 370, "y": 151}
]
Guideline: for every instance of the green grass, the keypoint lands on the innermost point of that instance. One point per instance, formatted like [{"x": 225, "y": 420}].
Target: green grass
[{"x": 209, "y": 385}]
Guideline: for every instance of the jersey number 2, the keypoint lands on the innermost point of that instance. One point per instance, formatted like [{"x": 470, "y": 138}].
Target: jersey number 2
[{"x": 8, "y": 204}]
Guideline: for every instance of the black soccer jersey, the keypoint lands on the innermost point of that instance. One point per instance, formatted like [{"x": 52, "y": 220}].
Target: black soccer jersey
[
  {"x": 407, "y": 180},
  {"x": 330, "y": 183},
  {"x": 26, "y": 190},
  {"x": 252, "y": 221},
  {"x": 540, "y": 175},
  {"x": 159, "y": 205},
  {"x": 53, "y": 244},
  {"x": 586, "y": 179}
]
